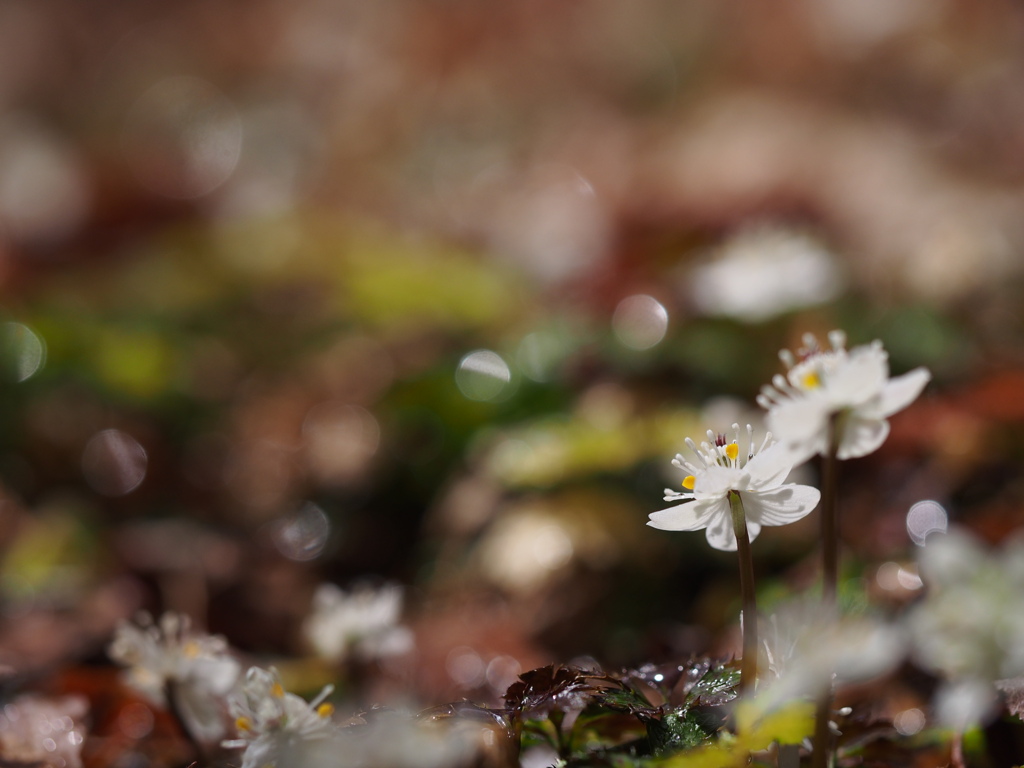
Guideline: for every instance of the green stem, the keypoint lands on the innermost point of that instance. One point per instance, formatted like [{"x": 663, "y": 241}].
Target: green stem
[
  {"x": 748, "y": 666},
  {"x": 822, "y": 756},
  {"x": 830, "y": 516}
]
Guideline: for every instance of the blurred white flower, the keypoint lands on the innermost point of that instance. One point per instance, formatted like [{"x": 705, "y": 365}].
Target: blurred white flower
[
  {"x": 756, "y": 474},
  {"x": 362, "y": 624},
  {"x": 169, "y": 658},
  {"x": 852, "y": 388},
  {"x": 970, "y": 626},
  {"x": 276, "y": 727},
  {"x": 396, "y": 740},
  {"x": 35, "y": 731},
  {"x": 806, "y": 648},
  {"x": 764, "y": 271}
]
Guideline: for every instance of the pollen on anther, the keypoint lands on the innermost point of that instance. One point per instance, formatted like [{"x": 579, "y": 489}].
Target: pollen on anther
[
  {"x": 688, "y": 482},
  {"x": 811, "y": 380},
  {"x": 277, "y": 691},
  {"x": 243, "y": 724},
  {"x": 732, "y": 451},
  {"x": 325, "y": 710}
]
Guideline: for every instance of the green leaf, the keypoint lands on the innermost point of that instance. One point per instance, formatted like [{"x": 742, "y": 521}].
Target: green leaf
[
  {"x": 677, "y": 730},
  {"x": 714, "y": 684}
]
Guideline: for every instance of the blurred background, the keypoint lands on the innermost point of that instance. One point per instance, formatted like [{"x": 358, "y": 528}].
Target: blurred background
[{"x": 430, "y": 293}]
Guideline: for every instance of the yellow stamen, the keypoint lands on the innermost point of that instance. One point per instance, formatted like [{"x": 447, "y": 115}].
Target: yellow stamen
[
  {"x": 325, "y": 710},
  {"x": 191, "y": 649},
  {"x": 243, "y": 724},
  {"x": 732, "y": 451},
  {"x": 688, "y": 482},
  {"x": 277, "y": 691},
  {"x": 811, "y": 380}
]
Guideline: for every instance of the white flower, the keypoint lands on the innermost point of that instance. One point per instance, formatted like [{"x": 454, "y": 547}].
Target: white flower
[
  {"x": 970, "y": 626},
  {"x": 757, "y": 475},
  {"x": 396, "y": 740},
  {"x": 763, "y": 271},
  {"x": 805, "y": 648},
  {"x": 363, "y": 624},
  {"x": 852, "y": 388},
  {"x": 275, "y": 726},
  {"x": 198, "y": 669}
]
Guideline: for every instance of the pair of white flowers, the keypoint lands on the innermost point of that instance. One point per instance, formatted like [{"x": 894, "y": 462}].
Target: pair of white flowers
[
  {"x": 173, "y": 665},
  {"x": 829, "y": 399}
]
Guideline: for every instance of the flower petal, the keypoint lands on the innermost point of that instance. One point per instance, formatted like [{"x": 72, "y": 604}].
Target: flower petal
[
  {"x": 780, "y": 506},
  {"x": 715, "y": 482},
  {"x": 800, "y": 424},
  {"x": 859, "y": 378},
  {"x": 720, "y": 534},
  {"x": 753, "y": 528},
  {"x": 691, "y": 516},
  {"x": 769, "y": 468},
  {"x": 902, "y": 391},
  {"x": 862, "y": 436}
]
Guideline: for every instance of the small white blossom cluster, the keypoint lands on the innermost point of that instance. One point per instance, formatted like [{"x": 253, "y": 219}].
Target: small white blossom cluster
[
  {"x": 363, "y": 624},
  {"x": 170, "y": 659},
  {"x": 196, "y": 676},
  {"x": 970, "y": 626},
  {"x": 275, "y": 727},
  {"x": 278, "y": 729}
]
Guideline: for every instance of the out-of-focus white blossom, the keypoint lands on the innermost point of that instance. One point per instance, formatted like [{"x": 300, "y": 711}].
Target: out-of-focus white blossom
[
  {"x": 276, "y": 728},
  {"x": 850, "y": 388},
  {"x": 35, "y": 731},
  {"x": 970, "y": 626},
  {"x": 805, "y": 648},
  {"x": 168, "y": 657},
  {"x": 395, "y": 740},
  {"x": 756, "y": 474},
  {"x": 764, "y": 271},
  {"x": 362, "y": 624}
]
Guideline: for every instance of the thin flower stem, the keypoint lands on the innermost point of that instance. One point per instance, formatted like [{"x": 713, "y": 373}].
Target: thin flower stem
[
  {"x": 822, "y": 756},
  {"x": 748, "y": 666},
  {"x": 830, "y": 516},
  {"x": 956, "y": 751}
]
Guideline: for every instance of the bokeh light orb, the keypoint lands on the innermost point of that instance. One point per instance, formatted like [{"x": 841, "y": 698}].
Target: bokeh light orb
[
  {"x": 925, "y": 518},
  {"x": 640, "y": 322},
  {"x": 302, "y": 535},
  {"x": 23, "y": 351},
  {"x": 182, "y": 138},
  {"x": 114, "y": 463},
  {"x": 484, "y": 375}
]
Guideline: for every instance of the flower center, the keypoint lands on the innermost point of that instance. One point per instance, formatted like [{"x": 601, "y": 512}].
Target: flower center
[{"x": 811, "y": 380}]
